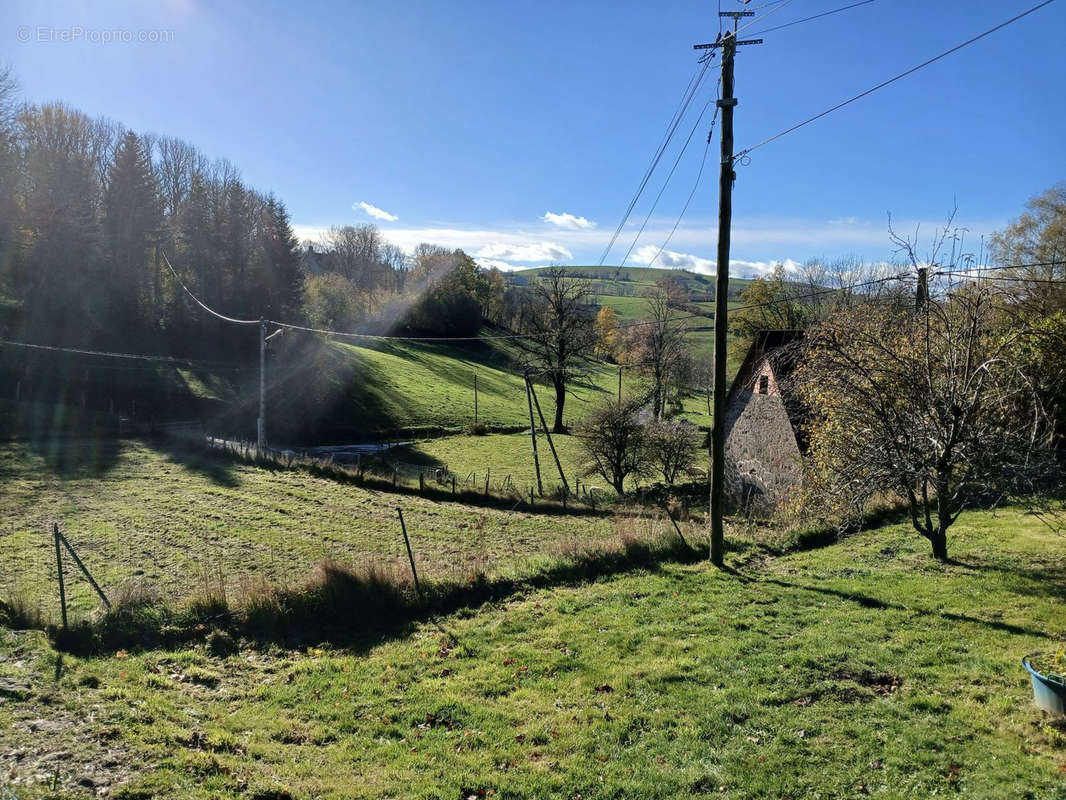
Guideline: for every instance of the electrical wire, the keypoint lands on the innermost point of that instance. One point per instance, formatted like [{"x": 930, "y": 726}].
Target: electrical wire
[
  {"x": 203, "y": 305},
  {"x": 379, "y": 337},
  {"x": 1009, "y": 278},
  {"x": 684, "y": 208},
  {"x": 893, "y": 79},
  {"x": 673, "y": 169},
  {"x": 671, "y": 129},
  {"x": 347, "y": 334},
  {"x": 815, "y": 16},
  {"x": 108, "y": 354},
  {"x": 701, "y": 72}
]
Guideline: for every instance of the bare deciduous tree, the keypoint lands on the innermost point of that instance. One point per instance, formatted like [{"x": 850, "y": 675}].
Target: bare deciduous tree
[
  {"x": 560, "y": 319},
  {"x": 657, "y": 347},
  {"x": 933, "y": 406},
  {"x": 612, "y": 439},
  {"x": 672, "y": 446}
]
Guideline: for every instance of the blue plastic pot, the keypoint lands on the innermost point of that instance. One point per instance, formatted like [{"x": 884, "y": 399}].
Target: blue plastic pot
[{"x": 1049, "y": 691}]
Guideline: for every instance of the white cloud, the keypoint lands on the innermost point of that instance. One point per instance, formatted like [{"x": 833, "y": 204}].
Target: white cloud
[
  {"x": 374, "y": 211},
  {"x": 758, "y": 243},
  {"x": 671, "y": 259},
  {"x": 502, "y": 266},
  {"x": 845, "y": 221},
  {"x": 528, "y": 251},
  {"x": 569, "y": 221}
]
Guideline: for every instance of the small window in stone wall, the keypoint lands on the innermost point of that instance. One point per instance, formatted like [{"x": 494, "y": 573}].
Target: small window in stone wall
[{"x": 764, "y": 384}]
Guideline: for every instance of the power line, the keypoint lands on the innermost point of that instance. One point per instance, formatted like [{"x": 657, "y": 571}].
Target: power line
[
  {"x": 684, "y": 208},
  {"x": 197, "y": 300},
  {"x": 672, "y": 127},
  {"x": 670, "y": 175},
  {"x": 378, "y": 337},
  {"x": 108, "y": 354},
  {"x": 1008, "y": 278},
  {"x": 815, "y": 16},
  {"x": 701, "y": 71},
  {"x": 893, "y": 79},
  {"x": 1030, "y": 265}
]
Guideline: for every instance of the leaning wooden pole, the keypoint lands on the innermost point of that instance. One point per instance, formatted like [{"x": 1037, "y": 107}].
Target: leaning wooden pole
[
  {"x": 533, "y": 434},
  {"x": 551, "y": 444},
  {"x": 83, "y": 568},
  {"x": 410, "y": 555},
  {"x": 59, "y": 572}
]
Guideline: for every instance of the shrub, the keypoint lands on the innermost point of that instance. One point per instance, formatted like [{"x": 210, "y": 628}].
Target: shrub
[{"x": 19, "y": 613}]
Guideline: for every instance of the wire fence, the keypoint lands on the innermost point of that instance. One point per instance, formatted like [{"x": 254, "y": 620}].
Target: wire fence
[{"x": 237, "y": 533}]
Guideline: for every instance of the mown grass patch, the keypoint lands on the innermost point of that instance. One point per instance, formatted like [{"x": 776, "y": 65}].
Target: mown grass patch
[
  {"x": 180, "y": 520},
  {"x": 861, "y": 669}
]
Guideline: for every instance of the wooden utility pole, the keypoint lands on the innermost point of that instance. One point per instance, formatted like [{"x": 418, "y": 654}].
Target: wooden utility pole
[
  {"x": 261, "y": 422},
  {"x": 923, "y": 288},
  {"x": 726, "y": 104},
  {"x": 475, "y": 398},
  {"x": 619, "y": 385}
]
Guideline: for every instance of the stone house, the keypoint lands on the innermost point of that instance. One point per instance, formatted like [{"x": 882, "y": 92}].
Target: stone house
[{"x": 764, "y": 445}]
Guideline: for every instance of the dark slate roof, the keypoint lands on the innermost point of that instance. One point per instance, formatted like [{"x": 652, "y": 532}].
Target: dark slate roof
[{"x": 772, "y": 345}]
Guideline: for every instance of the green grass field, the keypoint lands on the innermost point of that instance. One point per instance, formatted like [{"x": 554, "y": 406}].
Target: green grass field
[
  {"x": 356, "y": 391},
  {"x": 860, "y": 669},
  {"x": 173, "y": 518},
  {"x": 502, "y": 455}
]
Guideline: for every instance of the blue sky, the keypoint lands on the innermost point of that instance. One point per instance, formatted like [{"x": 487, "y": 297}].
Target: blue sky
[{"x": 467, "y": 124}]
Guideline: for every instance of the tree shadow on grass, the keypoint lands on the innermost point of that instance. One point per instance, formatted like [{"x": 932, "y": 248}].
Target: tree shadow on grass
[
  {"x": 196, "y": 458},
  {"x": 877, "y": 604},
  {"x": 1047, "y": 580},
  {"x": 70, "y": 459}
]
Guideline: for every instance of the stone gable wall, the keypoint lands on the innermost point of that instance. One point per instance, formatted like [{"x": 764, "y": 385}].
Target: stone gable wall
[{"x": 763, "y": 462}]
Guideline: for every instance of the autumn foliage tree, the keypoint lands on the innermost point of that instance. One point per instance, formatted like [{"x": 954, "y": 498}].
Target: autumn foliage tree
[{"x": 607, "y": 343}]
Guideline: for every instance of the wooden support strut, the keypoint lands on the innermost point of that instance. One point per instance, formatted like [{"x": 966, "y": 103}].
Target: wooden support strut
[
  {"x": 533, "y": 434},
  {"x": 551, "y": 444},
  {"x": 59, "y": 572},
  {"x": 410, "y": 555}
]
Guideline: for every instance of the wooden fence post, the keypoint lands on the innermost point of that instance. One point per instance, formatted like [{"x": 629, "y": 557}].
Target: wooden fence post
[
  {"x": 410, "y": 555},
  {"x": 83, "y": 568},
  {"x": 453, "y": 484},
  {"x": 59, "y": 570},
  {"x": 421, "y": 482}
]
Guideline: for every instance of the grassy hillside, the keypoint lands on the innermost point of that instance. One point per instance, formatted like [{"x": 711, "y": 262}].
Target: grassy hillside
[
  {"x": 624, "y": 279},
  {"x": 623, "y": 295},
  {"x": 862, "y": 669},
  {"x": 358, "y": 391}
]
